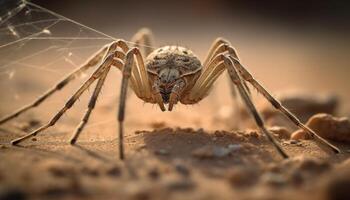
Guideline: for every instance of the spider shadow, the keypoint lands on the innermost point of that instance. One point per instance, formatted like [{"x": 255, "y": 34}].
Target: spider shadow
[
  {"x": 36, "y": 150},
  {"x": 169, "y": 145},
  {"x": 91, "y": 153},
  {"x": 61, "y": 151}
]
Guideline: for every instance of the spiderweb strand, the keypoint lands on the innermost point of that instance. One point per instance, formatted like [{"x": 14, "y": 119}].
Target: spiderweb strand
[
  {"x": 12, "y": 13},
  {"x": 38, "y": 45},
  {"x": 60, "y": 18},
  {"x": 68, "y": 19}
]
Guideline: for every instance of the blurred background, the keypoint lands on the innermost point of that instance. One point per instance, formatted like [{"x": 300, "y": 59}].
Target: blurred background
[{"x": 287, "y": 45}]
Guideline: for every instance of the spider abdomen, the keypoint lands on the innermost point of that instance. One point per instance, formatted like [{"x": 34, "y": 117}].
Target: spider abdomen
[{"x": 174, "y": 57}]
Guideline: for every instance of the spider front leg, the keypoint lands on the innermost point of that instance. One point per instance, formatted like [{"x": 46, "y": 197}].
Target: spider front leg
[
  {"x": 137, "y": 73},
  {"x": 133, "y": 71},
  {"x": 126, "y": 72}
]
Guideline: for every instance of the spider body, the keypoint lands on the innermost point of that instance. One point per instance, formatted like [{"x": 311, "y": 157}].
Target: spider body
[
  {"x": 169, "y": 75},
  {"x": 172, "y": 71}
]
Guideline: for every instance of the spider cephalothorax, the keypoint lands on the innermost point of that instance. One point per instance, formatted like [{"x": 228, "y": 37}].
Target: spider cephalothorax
[
  {"x": 169, "y": 75},
  {"x": 172, "y": 70}
]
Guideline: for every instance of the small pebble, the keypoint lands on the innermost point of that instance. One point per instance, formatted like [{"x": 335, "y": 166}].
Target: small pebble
[
  {"x": 327, "y": 126},
  {"x": 300, "y": 135},
  {"x": 293, "y": 141},
  {"x": 234, "y": 147},
  {"x": 274, "y": 179},
  {"x": 162, "y": 152},
  {"x": 220, "y": 152},
  {"x": 211, "y": 152},
  {"x": 281, "y": 132}
]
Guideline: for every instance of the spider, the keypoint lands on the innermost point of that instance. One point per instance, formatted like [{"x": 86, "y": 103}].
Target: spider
[{"x": 169, "y": 75}]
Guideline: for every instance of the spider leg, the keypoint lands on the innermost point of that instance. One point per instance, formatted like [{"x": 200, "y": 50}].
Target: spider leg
[
  {"x": 127, "y": 70},
  {"x": 139, "y": 81},
  {"x": 60, "y": 85},
  {"x": 91, "y": 106},
  {"x": 218, "y": 46},
  {"x": 119, "y": 56},
  {"x": 217, "y": 67},
  {"x": 144, "y": 40},
  {"x": 206, "y": 79},
  {"x": 236, "y": 113},
  {"x": 96, "y": 75},
  {"x": 147, "y": 95},
  {"x": 248, "y": 77},
  {"x": 236, "y": 79}
]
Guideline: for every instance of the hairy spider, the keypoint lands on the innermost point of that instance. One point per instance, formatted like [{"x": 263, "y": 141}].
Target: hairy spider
[{"x": 170, "y": 74}]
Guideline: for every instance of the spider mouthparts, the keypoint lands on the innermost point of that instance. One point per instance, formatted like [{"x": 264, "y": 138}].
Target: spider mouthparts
[{"x": 165, "y": 97}]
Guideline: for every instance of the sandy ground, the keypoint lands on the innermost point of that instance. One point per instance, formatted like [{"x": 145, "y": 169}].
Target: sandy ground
[{"x": 167, "y": 162}]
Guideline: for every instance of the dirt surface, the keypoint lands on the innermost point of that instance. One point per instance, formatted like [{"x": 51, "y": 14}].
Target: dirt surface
[{"x": 167, "y": 163}]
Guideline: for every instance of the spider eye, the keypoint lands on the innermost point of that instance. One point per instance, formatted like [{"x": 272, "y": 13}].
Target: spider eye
[{"x": 186, "y": 60}]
